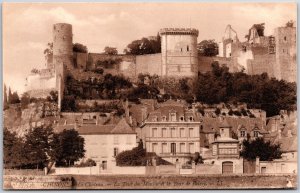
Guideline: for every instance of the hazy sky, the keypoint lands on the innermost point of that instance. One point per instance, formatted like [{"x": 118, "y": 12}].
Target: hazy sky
[{"x": 27, "y": 27}]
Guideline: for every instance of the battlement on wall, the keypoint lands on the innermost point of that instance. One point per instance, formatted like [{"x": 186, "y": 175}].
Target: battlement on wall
[
  {"x": 179, "y": 31},
  {"x": 46, "y": 73}
]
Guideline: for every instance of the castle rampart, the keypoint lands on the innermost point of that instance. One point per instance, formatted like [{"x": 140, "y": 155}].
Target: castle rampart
[{"x": 179, "y": 31}]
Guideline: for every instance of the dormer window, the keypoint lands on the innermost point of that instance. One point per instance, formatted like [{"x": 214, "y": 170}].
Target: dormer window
[
  {"x": 243, "y": 133},
  {"x": 173, "y": 116},
  {"x": 181, "y": 118},
  {"x": 164, "y": 118},
  {"x": 256, "y": 133},
  {"x": 191, "y": 118},
  {"x": 154, "y": 118},
  {"x": 187, "y": 48}
]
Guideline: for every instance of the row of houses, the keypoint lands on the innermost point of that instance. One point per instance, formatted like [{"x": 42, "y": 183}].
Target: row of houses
[{"x": 176, "y": 133}]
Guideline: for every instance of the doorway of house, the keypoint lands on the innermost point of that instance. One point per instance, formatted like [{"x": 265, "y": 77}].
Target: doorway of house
[{"x": 227, "y": 167}]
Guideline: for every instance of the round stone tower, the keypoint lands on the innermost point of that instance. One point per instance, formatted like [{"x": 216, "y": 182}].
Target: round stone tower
[
  {"x": 62, "y": 55},
  {"x": 62, "y": 39},
  {"x": 179, "y": 52}
]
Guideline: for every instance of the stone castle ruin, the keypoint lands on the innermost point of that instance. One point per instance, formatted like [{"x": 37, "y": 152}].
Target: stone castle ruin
[{"x": 275, "y": 55}]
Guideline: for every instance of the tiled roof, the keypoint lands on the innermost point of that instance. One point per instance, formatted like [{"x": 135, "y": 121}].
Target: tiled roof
[
  {"x": 137, "y": 112},
  {"x": 95, "y": 129},
  {"x": 121, "y": 128},
  {"x": 173, "y": 106},
  {"x": 211, "y": 124},
  {"x": 60, "y": 128},
  {"x": 225, "y": 124}
]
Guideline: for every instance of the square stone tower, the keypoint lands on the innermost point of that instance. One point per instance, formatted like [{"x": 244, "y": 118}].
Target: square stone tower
[
  {"x": 286, "y": 65},
  {"x": 179, "y": 52}
]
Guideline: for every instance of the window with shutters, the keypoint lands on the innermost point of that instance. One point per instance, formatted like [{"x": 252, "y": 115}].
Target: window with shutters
[
  {"x": 182, "y": 132},
  {"x": 243, "y": 133},
  {"x": 182, "y": 147},
  {"x": 191, "y": 148},
  {"x": 164, "y": 148},
  {"x": 154, "y": 147},
  {"x": 191, "y": 132},
  {"x": 154, "y": 132},
  {"x": 116, "y": 151},
  {"x": 164, "y": 132},
  {"x": 173, "y": 148},
  {"x": 173, "y": 132}
]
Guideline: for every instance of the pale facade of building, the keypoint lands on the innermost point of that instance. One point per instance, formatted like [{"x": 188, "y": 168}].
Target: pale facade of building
[
  {"x": 173, "y": 132},
  {"x": 225, "y": 146},
  {"x": 104, "y": 142}
]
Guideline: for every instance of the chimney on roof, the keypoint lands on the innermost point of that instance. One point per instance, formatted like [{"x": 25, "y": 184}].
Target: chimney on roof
[
  {"x": 126, "y": 109},
  {"x": 130, "y": 120},
  {"x": 279, "y": 133},
  {"x": 144, "y": 113},
  {"x": 194, "y": 110}
]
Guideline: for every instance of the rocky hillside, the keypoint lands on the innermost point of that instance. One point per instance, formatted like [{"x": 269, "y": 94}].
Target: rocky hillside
[{"x": 20, "y": 119}]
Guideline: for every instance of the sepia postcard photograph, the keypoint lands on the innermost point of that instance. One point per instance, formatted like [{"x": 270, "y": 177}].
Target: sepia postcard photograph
[{"x": 135, "y": 95}]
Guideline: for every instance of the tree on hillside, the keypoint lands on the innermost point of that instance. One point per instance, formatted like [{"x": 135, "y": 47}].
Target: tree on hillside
[
  {"x": 68, "y": 103},
  {"x": 25, "y": 100},
  {"x": 144, "y": 46},
  {"x": 77, "y": 47},
  {"x": 211, "y": 87},
  {"x": 13, "y": 150},
  {"x": 139, "y": 157},
  {"x": 37, "y": 147},
  {"x": 290, "y": 23},
  {"x": 134, "y": 157},
  {"x": 108, "y": 63},
  {"x": 9, "y": 95},
  {"x": 260, "y": 148},
  {"x": 110, "y": 50},
  {"x": 35, "y": 71},
  {"x": 5, "y": 99},
  {"x": 53, "y": 96},
  {"x": 208, "y": 48},
  {"x": 14, "y": 98},
  {"x": 49, "y": 50},
  {"x": 68, "y": 147},
  {"x": 258, "y": 91}
]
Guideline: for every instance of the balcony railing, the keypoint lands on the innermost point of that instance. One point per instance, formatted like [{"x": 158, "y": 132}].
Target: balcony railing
[{"x": 176, "y": 154}]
